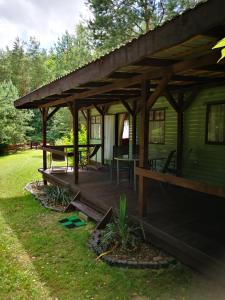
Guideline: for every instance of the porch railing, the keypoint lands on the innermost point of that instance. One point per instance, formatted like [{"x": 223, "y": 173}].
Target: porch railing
[{"x": 182, "y": 182}]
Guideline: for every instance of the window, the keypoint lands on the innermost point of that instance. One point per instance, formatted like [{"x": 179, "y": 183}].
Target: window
[
  {"x": 125, "y": 134},
  {"x": 215, "y": 124},
  {"x": 157, "y": 126},
  {"x": 96, "y": 127}
]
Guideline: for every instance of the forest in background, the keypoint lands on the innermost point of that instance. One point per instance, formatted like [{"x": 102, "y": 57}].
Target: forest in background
[{"x": 27, "y": 66}]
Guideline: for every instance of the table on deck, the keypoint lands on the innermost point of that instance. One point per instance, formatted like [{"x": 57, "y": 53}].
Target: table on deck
[
  {"x": 134, "y": 159},
  {"x": 128, "y": 158}
]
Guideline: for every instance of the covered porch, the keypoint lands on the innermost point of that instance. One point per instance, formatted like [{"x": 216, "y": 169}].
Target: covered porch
[{"x": 183, "y": 212}]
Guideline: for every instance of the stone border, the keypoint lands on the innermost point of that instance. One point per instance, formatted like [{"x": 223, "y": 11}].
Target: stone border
[
  {"x": 38, "y": 197},
  {"x": 94, "y": 244}
]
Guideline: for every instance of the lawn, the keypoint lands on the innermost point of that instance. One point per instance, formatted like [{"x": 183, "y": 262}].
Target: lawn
[{"x": 42, "y": 260}]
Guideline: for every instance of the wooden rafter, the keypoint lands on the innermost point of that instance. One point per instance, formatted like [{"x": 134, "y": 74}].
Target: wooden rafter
[
  {"x": 153, "y": 74},
  {"x": 165, "y": 37}
]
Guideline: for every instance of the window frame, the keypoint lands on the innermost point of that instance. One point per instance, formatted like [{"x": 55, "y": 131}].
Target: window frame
[
  {"x": 208, "y": 106},
  {"x": 95, "y": 122},
  {"x": 154, "y": 110}
]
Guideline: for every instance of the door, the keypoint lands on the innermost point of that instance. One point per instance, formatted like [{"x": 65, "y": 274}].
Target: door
[{"x": 109, "y": 136}]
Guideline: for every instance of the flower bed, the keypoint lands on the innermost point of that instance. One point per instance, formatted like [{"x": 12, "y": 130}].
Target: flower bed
[
  {"x": 51, "y": 197},
  {"x": 145, "y": 256}
]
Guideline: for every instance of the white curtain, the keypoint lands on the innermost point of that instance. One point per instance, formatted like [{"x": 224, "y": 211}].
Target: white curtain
[{"x": 109, "y": 136}]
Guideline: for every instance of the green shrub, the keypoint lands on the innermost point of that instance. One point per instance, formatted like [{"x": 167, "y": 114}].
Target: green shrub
[
  {"x": 68, "y": 139},
  {"x": 57, "y": 196}
]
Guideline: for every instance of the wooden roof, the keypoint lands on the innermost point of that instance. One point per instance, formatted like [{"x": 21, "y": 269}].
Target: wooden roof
[{"x": 181, "y": 47}]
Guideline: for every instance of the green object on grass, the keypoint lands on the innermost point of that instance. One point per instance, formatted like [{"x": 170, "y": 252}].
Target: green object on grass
[{"x": 72, "y": 222}]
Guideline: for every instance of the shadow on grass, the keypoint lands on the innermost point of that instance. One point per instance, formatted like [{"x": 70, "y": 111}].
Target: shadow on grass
[{"x": 69, "y": 269}]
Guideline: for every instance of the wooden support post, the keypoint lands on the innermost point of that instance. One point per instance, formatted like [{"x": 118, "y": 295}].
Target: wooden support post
[
  {"x": 102, "y": 112},
  {"x": 75, "y": 110},
  {"x": 116, "y": 130},
  {"x": 143, "y": 152},
  {"x": 44, "y": 113},
  {"x": 180, "y": 131},
  {"x": 103, "y": 139},
  {"x": 134, "y": 129},
  {"x": 88, "y": 133}
]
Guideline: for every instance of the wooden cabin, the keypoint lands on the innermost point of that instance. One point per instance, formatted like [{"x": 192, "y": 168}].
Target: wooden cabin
[{"x": 162, "y": 98}]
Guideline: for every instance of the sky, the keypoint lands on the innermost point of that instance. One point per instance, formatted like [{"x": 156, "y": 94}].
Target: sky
[{"x": 44, "y": 19}]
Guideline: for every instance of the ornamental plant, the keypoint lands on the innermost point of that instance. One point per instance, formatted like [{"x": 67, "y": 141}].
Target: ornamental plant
[
  {"x": 119, "y": 233},
  {"x": 221, "y": 44}
]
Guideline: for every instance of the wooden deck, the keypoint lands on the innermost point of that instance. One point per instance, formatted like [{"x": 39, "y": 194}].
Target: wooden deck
[{"x": 187, "y": 224}]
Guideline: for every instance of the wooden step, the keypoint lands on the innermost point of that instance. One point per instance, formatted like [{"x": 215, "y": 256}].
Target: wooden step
[{"x": 87, "y": 210}]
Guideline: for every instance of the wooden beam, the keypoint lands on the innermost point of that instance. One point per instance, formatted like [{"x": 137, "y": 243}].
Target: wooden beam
[
  {"x": 180, "y": 134},
  {"x": 103, "y": 139},
  {"x": 134, "y": 128},
  {"x": 84, "y": 115},
  {"x": 70, "y": 106},
  {"x": 88, "y": 122},
  {"x": 127, "y": 107},
  {"x": 171, "y": 100},
  {"x": 52, "y": 113},
  {"x": 182, "y": 182},
  {"x": 143, "y": 151},
  {"x": 163, "y": 37},
  {"x": 99, "y": 109},
  {"x": 44, "y": 113},
  {"x": 76, "y": 142},
  {"x": 153, "y": 74},
  {"x": 159, "y": 90},
  {"x": 102, "y": 112}
]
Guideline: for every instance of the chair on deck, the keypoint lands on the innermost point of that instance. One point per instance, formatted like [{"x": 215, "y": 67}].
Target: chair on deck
[
  {"x": 58, "y": 157},
  {"x": 170, "y": 163},
  {"x": 165, "y": 165}
]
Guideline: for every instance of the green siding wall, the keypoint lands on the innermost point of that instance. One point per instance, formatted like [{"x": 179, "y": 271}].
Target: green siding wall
[
  {"x": 170, "y": 130},
  {"x": 203, "y": 162}
]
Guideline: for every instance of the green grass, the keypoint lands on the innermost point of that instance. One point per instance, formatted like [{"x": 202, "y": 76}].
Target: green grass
[{"x": 39, "y": 259}]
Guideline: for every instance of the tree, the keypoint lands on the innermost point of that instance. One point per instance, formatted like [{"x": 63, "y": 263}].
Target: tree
[
  {"x": 38, "y": 72},
  {"x": 71, "y": 51},
  {"x": 13, "y": 122},
  {"x": 115, "y": 22}
]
